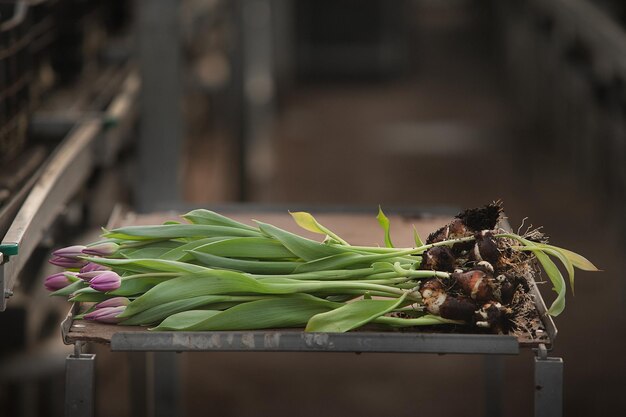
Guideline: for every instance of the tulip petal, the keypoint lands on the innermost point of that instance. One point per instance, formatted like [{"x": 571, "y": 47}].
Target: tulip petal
[{"x": 106, "y": 281}]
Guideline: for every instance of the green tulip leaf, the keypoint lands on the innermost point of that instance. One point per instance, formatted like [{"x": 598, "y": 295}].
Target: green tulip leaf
[
  {"x": 173, "y": 231},
  {"x": 179, "y": 253},
  {"x": 557, "y": 280},
  {"x": 247, "y": 247},
  {"x": 304, "y": 248},
  {"x": 155, "y": 250},
  {"x": 334, "y": 262},
  {"x": 385, "y": 224},
  {"x": 352, "y": 315},
  {"x": 280, "y": 312},
  {"x": 557, "y": 254},
  {"x": 577, "y": 260},
  {"x": 416, "y": 237},
  {"x": 213, "y": 282},
  {"x": 90, "y": 297},
  {"x": 147, "y": 265},
  {"x": 249, "y": 266},
  {"x": 307, "y": 222},
  {"x": 425, "y": 320},
  {"x": 70, "y": 289},
  {"x": 156, "y": 314},
  {"x": 211, "y": 218}
]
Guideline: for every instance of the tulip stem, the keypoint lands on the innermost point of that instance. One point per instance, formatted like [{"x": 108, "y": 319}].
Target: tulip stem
[
  {"x": 409, "y": 251},
  {"x": 151, "y": 274}
]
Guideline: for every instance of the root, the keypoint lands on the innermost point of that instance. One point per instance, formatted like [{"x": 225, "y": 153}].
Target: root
[{"x": 490, "y": 276}]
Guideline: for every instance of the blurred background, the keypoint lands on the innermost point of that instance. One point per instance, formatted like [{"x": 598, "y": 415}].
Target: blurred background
[{"x": 171, "y": 104}]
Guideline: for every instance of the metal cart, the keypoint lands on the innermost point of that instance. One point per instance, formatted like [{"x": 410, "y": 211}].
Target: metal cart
[{"x": 355, "y": 227}]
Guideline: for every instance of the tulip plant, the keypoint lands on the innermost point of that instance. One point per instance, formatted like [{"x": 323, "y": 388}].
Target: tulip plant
[{"x": 211, "y": 272}]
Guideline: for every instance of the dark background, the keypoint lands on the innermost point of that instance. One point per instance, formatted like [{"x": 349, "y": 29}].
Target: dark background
[{"x": 419, "y": 103}]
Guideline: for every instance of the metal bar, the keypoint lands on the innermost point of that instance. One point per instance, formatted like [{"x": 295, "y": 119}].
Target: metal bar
[
  {"x": 120, "y": 112},
  {"x": 546, "y": 319},
  {"x": 548, "y": 387},
  {"x": 122, "y": 104},
  {"x": 10, "y": 209},
  {"x": 121, "y": 116},
  {"x": 494, "y": 377},
  {"x": 297, "y": 341},
  {"x": 79, "y": 385},
  {"x": 66, "y": 324},
  {"x": 165, "y": 384},
  {"x": 58, "y": 123},
  {"x": 161, "y": 121},
  {"x": 66, "y": 171},
  {"x": 138, "y": 400}
]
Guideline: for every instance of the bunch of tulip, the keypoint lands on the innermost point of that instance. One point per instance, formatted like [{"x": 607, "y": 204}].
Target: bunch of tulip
[{"x": 214, "y": 273}]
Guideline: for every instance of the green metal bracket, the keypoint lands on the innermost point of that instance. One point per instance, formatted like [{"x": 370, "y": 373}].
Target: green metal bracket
[{"x": 9, "y": 249}]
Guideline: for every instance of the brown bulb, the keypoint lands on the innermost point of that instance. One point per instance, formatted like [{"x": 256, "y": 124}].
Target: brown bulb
[
  {"x": 477, "y": 284},
  {"x": 508, "y": 287},
  {"x": 457, "y": 308},
  {"x": 457, "y": 228},
  {"x": 439, "y": 258},
  {"x": 485, "y": 248},
  {"x": 490, "y": 316}
]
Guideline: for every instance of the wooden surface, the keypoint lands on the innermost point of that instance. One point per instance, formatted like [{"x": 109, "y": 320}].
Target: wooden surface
[{"x": 93, "y": 332}]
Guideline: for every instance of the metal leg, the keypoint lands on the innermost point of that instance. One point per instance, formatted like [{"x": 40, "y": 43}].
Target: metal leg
[
  {"x": 548, "y": 385},
  {"x": 138, "y": 400},
  {"x": 79, "y": 384},
  {"x": 164, "y": 392},
  {"x": 494, "y": 378}
]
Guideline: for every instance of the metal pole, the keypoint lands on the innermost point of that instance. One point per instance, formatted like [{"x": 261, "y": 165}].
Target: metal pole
[
  {"x": 494, "y": 378},
  {"x": 138, "y": 401},
  {"x": 79, "y": 385},
  {"x": 239, "y": 112},
  {"x": 254, "y": 72},
  {"x": 548, "y": 385},
  {"x": 161, "y": 122},
  {"x": 165, "y": 384}
]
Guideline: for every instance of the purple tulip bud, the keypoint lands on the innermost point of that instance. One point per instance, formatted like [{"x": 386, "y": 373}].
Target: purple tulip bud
[
  {"x": 106, "y": 314},
  {"x": 64, "y": 262},
  {"x": 102, "y": 249},
  {"x": 56, "y": 281},
  {"x": 106, "y": 281},
  {"x": 69, "y": 252},
  {"x": 91, "y": 266},
  {"x": 113, "y": 302}
]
